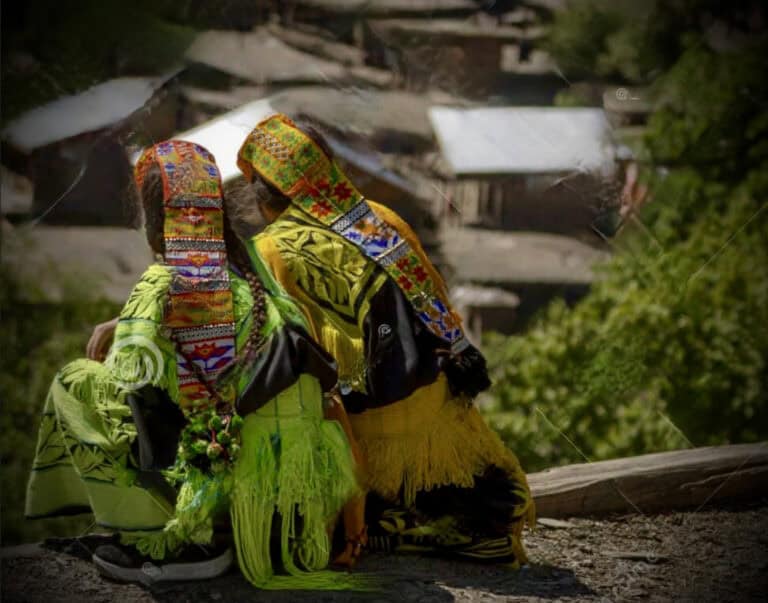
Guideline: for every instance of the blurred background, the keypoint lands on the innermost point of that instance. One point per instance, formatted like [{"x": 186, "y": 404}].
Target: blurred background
[{"x": 590, "y": 176}]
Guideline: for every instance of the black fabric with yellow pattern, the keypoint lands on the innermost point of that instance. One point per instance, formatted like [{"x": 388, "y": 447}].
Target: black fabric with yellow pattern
[{"x": 399, "y": 352}]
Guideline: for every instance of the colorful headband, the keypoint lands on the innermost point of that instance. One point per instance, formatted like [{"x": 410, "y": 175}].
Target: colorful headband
[
  {"x": 292, "y": 162},
  {"x": 200, "y": 313}
]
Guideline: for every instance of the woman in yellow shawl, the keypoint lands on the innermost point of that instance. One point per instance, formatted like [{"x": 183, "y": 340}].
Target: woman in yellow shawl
[
  {"x": 440, "y": 479},
  {"x": 209, "y": 406}
]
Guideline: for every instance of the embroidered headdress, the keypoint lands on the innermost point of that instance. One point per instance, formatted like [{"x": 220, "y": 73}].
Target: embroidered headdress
[
  {"x": 292, "y": 162},
  {"x": 200, "y": 311}
]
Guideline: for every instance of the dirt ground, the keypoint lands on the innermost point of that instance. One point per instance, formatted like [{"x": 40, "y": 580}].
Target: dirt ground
[{"x": 716, "y": 554}]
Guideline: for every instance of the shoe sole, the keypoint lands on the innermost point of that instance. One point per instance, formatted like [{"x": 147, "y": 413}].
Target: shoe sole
[{"x": 149, "y": 573}]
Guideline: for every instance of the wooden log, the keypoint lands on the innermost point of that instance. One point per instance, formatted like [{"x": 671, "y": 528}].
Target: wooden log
[{"x": 653, "y": 482}]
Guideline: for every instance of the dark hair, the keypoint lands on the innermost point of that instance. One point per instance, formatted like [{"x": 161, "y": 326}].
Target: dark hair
[
  {"x": 151, "y": 195},
  {"x": 152, "y": 204},
  {"x": 151, "y": 200}
]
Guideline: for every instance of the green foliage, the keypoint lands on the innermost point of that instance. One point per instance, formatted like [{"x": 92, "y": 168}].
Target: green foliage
[
  {"x": 38, "y": 338},
  {"x": 669, "y": 337},
  {"x": 710, "y": 112},
  {"x": 579, "y": 36},
  {"x": 68, "y": 47},
  {"x": 670, "y": 348},
  {"x": 634, "y": 41}
]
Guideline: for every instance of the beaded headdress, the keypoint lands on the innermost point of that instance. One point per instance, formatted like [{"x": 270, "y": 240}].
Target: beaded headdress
[
  {"x": 292, "y": 162},
  {"x": 200, "y": 312}
]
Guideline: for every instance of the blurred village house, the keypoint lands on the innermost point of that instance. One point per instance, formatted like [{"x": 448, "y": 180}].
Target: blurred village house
[
  {"x": 72, "y": 151},
  {"x": 441, "y": 109},
  {"x": 524, "y": 168},
  {"x": 65, "y": 177}
]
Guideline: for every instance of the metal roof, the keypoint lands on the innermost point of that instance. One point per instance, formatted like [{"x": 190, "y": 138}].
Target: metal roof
[
  {"x": 260, "y": 57},
  {"x": 523, "y": 140},
  {"x": 96, "y": 108}
]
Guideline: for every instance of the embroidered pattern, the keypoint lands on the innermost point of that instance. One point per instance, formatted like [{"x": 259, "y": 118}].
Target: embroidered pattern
[
  {"x": 332, "y": 273},
  {"x": 200, "y": 310},
  {"x": 292, "y": 162}
]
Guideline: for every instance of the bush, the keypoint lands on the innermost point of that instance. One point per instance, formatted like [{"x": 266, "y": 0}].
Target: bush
[
  {"x": 39, "y": 337},
  {"x": 669, "y": 348}
]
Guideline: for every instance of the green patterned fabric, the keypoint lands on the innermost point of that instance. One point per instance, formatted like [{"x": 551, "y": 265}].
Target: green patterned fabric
[
  {"x": 84, "y": 462},
  {"x": 292, "y": 460}
]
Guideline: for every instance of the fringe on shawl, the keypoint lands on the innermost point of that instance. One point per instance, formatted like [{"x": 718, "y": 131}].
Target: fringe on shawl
[
  {"x": 430, "y": 440},
  {"x": 349, "y": 354},
  {"x": 303, "y": 471},
  {"x": 201, "y": 498}
]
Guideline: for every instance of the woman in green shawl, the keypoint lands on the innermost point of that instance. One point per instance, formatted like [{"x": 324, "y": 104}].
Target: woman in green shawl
[{"x": 208, "y": 407}]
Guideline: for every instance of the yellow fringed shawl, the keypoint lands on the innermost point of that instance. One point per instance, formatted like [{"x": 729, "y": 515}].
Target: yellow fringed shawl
[
  {"x": 424, "y": 441},
  {"x": 334, "y": 307}
]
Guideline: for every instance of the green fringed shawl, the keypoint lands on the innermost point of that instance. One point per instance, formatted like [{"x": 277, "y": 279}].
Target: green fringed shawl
[
  {"x": 292, "y": 461},
  {"x": 299, "y": 465},
  {"x": 143, "y": 354}
]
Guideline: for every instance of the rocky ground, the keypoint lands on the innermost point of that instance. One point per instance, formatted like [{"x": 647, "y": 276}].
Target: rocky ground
[{"x": 715, "y": 554}]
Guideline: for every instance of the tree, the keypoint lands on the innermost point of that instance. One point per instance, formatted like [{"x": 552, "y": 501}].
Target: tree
[
  {"x": 670, "y": 347},
  {"x": 52, "y": 49}
]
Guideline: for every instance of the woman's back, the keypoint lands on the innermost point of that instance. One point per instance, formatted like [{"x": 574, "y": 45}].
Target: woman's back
[
  {"x": 408, "y": 373},
  {"x": 205, "y": 344}
]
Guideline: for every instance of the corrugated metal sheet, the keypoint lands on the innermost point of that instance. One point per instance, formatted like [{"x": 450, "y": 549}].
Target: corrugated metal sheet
[{"x": 523, "y": 140}]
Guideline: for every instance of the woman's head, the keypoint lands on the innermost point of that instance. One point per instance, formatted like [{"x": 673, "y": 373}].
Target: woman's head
[
  {"x": 190, "y": 175},
  {"x": 269, "y": 199},
  {"x": 182, "y": 200}
]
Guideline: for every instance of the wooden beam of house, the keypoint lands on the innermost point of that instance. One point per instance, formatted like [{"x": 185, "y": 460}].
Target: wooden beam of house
[
  {"x": 653, "y": 482},
  {"x": 307, "y": 40},
  {"x": 428, "y": 8},
  {"x": 456, "y": 30}
]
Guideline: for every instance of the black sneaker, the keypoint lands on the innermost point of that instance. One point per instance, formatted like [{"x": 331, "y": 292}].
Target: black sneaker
[{"x": 125, "y": 564}]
